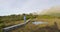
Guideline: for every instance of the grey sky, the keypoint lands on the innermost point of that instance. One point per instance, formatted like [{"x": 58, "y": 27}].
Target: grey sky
[{"x": 8, "y": 7}]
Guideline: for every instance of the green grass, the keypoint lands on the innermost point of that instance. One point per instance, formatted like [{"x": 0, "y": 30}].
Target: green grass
[
  {"x": 35, "y": 28},
  {"x": 6, "y": 21},
  {"x": 50, "y": 27}
]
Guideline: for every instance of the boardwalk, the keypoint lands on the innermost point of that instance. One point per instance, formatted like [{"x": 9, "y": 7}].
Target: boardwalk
[{"x": 8, "y": 29}]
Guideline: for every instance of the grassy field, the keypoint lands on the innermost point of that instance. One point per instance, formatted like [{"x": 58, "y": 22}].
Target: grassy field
[
  {"x": 52, "y": 26},
  {"x": 10, "y": 20}
]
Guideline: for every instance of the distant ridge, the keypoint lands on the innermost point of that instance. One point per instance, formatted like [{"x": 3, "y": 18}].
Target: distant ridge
[{"x": 52, "y": 11}]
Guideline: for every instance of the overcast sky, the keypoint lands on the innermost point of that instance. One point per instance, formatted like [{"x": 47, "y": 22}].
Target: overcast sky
[{"x": 8, "y": 7}]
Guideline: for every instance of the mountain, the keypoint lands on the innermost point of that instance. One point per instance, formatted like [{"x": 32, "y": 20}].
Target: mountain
[{"x": 52, "y": 11}]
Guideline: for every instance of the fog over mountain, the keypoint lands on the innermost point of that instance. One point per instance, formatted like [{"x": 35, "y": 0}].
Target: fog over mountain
[{"x": 51, "y": 11}]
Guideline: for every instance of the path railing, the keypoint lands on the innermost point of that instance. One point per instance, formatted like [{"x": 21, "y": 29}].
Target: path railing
[{"x": 7, "y": 29}]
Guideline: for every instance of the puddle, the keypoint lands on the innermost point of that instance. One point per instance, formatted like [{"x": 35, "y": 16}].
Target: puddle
[{"x": 39, "y": 22}]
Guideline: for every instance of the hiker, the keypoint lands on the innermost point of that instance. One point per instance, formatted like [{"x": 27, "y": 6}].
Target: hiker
[{"x": 24, "y": 17}]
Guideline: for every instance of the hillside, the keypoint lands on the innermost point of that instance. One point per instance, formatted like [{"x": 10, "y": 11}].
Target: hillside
[{"x": 52, "y": 11}]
